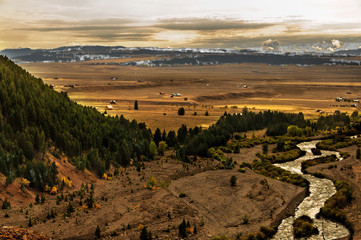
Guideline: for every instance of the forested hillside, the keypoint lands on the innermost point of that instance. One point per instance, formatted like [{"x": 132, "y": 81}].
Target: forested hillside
[
  {"x": 197, "y": 142},
  {"x": 34, "y": 117}
]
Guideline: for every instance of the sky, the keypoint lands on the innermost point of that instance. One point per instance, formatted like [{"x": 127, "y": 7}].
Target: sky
[{"x": 186, "y": 23}]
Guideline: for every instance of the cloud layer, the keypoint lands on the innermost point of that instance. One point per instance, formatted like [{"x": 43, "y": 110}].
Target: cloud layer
[{"x": 161, "y": 23}]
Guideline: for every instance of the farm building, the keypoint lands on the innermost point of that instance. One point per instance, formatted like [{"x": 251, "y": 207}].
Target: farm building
[
  {"x": 113, "y": 102},
  {"x": 109, "y": 107}
]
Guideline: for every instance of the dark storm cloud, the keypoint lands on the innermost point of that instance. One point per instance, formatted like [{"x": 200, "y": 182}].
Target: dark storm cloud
[{"x": 207, "y": 24}]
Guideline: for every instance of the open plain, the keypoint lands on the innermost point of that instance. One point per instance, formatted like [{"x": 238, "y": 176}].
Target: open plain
[{"x": 212, "y": 88}]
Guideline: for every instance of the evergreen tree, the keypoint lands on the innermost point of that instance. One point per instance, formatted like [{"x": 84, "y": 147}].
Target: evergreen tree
[
  {"x": 157, "y": 136},
  {"x": 181, "y": 111},
  {"x": 265, "y": 148},
  {"x": 145, "y": 234},
  {"x": 182, "y": 229},
  {"x": 358, "y": 153},
  {"x": 171, "y": 139},
  {"x": 182, "y": 134},
  {"x": 136, "y": 105},
  {"x": 233, "y": 180},
  {"x": 37, "y": 199},
  {"x": 6, "y": 204},
  {"x": 97, "y": 232}
]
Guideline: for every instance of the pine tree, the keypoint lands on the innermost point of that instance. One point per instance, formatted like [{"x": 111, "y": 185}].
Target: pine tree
[
  {"x": 30, "y": 223},
  {"x": 97, "y": 232},
  {"x": 164, "y": 135},
  {"x": 233, "y": 180},
  {"x": 6, "y": 204},
  {"x": 136, "y": 105},
  {"x": 145, "y": 234},
  {"x": 181, "y": 111},
  {"x": 157, "y": 136},
  {"x": 37, "y": 199},
  {"x": 182, "y": 229},
  {"x": 265, "y": 148},
  {"x": 358, "y": 153}
]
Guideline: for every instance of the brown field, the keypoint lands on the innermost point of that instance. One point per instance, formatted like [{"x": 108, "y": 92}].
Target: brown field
[
  {"x": 207, "y": 88},
  {"x": 211, "y": 203}
]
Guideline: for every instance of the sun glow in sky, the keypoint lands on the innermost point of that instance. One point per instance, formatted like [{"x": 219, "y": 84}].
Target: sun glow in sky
[{"x": 186, "y": 23}]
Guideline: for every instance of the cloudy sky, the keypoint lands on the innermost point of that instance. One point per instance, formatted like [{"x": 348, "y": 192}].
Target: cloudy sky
[{"x": 167, "y": 23}]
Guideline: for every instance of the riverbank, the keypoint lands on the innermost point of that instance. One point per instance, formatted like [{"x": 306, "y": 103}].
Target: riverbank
[
  {"x": 348, "y": 170},
  {"x": 320, "y": 191}
]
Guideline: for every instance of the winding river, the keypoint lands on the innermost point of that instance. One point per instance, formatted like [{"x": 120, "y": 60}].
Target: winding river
[{"x": 320, "y": 191}]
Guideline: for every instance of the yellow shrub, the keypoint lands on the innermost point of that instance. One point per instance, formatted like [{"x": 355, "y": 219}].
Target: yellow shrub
[
  {"x": 151, "y": 183},
  {"x": 66, "y": 181},
  {"x": 84, "y": 207},
  {"x": 97, "y": 206},
  {"x": 25, "y": 182},
  {"x": 105, "y": 176},
  {"x": 140, "y": 227},
  {"x": 54, "y": 190}
]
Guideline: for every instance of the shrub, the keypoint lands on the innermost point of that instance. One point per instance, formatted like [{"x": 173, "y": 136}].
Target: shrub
[
  {"x": 303, "y": 227},
  {"x": 245, "y": 219},
  {"x": 162, "y": 147},
  {"x": 182, "y": 195},
  {"x": 164, "y": 184},
  {"x": 233, "y": 180},
  {"x": 316, "y": 151},
  {"x": 264, "y": 148},
  {"x": 181, "y": 111},
  {"x": 151, "y": 183},
  {"x": 6, "y": 204}
]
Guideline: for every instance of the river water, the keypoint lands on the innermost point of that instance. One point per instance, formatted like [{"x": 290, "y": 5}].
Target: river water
[{"x": 320, "y": 191}]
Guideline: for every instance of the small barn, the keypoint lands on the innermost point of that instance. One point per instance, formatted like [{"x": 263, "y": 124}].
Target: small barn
[{"x": 109, "y": 107}]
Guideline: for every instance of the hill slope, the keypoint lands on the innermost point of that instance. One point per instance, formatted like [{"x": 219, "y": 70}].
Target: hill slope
[{"x": 34, "y": 117}]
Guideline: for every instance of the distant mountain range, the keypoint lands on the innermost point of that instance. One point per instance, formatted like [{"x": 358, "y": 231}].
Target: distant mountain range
[{"x": 179, "y": 56}]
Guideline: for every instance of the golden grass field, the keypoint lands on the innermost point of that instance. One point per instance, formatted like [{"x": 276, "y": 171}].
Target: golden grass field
[{"x": 207, "y": 88}]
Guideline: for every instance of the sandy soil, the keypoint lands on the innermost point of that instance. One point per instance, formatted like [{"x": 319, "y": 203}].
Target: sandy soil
[{"x": 207, "y": 88}]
